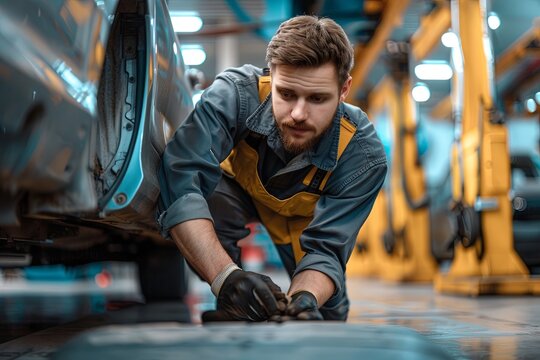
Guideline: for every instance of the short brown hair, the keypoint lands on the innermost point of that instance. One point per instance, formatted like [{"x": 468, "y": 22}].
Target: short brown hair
[{"x": 307, "y": 40}]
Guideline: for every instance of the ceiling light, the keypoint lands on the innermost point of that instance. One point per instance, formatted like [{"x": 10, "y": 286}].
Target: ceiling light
[
  {"x": 530, "y": 104},
  {"x": 186, "y": 21},
  {"x": 537, "y": 97},
  {"x": 450, "y": 39},
  {"x": 493, "y": 21},
  {"x": 421, "y": 93},
  {"x": 433, "y": 71},
  {"x": 193, "y": 54}
]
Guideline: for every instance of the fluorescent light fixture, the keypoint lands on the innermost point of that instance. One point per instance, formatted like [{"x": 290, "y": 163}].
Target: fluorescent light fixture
[
  {"x": 186, "y": 21},
  {"x": 493, "y": 21},
  {"x": 449, "y": 39},
  {"x": 193, "y": 54},
  {"x": 421, "y": 93},
  {"x": 530, "y": 104},
  {"x": 433, "y": 71}
]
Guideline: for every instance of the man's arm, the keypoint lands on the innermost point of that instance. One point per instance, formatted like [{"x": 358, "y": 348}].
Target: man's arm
[
  {"x": 317, "y": 283},
  {"x": 241, "y": 295},
  {"x": 198, "y": 242},
  {"x": 309, "y": 290}
]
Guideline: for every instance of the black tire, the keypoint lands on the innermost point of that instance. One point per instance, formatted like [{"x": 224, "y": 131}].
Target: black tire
[{"x": 162, "y": 274}]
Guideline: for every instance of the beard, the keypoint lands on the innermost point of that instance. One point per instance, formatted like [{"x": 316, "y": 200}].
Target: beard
[{"x": 295, "y": 147}]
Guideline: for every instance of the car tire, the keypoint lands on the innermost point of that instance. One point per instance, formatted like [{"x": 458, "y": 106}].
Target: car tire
[{"x": 162, "y": 274}]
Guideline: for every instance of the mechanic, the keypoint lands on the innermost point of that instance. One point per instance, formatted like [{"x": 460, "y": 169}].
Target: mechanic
[{"x": 281, "y": 147}]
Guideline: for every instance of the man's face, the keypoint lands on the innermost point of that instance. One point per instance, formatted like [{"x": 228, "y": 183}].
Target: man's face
[{"x": 304, "y": 101}]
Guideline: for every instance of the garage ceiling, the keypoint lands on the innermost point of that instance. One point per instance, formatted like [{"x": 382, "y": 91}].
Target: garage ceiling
[{"x": 247, "y": 24}]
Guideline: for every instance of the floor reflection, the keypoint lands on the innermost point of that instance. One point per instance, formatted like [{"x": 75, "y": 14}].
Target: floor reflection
[{"x": 40, "y": 298}]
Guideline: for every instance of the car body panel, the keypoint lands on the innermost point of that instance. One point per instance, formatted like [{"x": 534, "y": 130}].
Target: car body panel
[
  {"x": 93, "y": 91},
  {"x": 163, "y": 107},
  {"x": 43, "y": 84}
]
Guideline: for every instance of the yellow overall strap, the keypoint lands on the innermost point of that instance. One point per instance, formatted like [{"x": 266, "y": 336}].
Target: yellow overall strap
[
  {"x": 285, "y": 220},
  {"x": 346, "y": 132},
  {"x": 265, "y": 85},
  {"x": 296, "y": 226}
]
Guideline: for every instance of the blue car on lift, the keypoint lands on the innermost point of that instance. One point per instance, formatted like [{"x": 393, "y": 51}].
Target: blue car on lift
[{"x": 91, "y": 92}]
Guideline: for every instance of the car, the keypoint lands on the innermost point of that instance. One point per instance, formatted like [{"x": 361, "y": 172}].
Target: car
[
  {"x": 91, "y": 93},
  {"x": 525, "y": 196}
]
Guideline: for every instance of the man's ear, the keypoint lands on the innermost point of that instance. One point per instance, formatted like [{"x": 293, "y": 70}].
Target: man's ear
[{"x": 345, "y": 89}]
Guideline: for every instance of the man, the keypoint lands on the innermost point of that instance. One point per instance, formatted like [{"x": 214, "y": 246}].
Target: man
[{"x": 298, "y": 159}]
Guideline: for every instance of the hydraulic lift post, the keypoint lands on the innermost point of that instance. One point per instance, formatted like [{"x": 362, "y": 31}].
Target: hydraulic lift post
[{"x": 485, "y": 261}]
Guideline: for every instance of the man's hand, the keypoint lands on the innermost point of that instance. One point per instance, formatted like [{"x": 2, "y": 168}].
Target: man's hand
[
  {"x": 280, "y": 296},
  {"x": 303, "y": 306},
  {"x": 247, "y": 296}
]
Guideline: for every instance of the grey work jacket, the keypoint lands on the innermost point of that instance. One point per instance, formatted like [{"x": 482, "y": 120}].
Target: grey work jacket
[{"x": 227, "y": 112}]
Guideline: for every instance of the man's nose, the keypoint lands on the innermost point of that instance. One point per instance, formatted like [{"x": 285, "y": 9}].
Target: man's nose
[{"x": 299, "y": 112}]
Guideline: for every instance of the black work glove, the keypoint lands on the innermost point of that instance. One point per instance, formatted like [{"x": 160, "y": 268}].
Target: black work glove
[
  {"x": 303, "y": 306},
  {"x": 247, "y": 296}
]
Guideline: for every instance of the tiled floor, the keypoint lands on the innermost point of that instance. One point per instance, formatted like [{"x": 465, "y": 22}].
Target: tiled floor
[{"x": 494, "y": 327}]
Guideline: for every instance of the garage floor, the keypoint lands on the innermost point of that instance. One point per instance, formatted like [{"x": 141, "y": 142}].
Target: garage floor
[{"x": 37, "y": 319}]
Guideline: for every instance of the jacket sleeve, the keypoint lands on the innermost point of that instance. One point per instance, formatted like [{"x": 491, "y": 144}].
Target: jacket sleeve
[
  {"x": 189, "y": 170},
  {"x": 329, "y": 239}
]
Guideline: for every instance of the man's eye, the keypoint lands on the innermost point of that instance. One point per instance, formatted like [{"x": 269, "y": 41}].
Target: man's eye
[
  {"x": 287, "y": 95},
  {"x": 317, "y": 99}
]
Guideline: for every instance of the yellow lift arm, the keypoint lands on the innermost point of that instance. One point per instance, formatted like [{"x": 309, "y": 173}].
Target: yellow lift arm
[
  {"x": 485, "y": 261},
  {"x": 365, "y": 56},
  {"x": 395, "y": 243}
]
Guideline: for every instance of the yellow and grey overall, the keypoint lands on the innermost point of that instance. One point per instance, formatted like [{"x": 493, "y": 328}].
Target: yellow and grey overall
[{"x": 284, "y": 219}]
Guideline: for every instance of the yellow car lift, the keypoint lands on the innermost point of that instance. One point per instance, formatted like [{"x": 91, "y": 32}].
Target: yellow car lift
[
  {"x": 485, "y": 261},
  {"x": 394, "y": 243}
]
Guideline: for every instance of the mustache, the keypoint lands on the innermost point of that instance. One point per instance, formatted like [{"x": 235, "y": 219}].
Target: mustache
[{"x": 297, "y": 126}]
